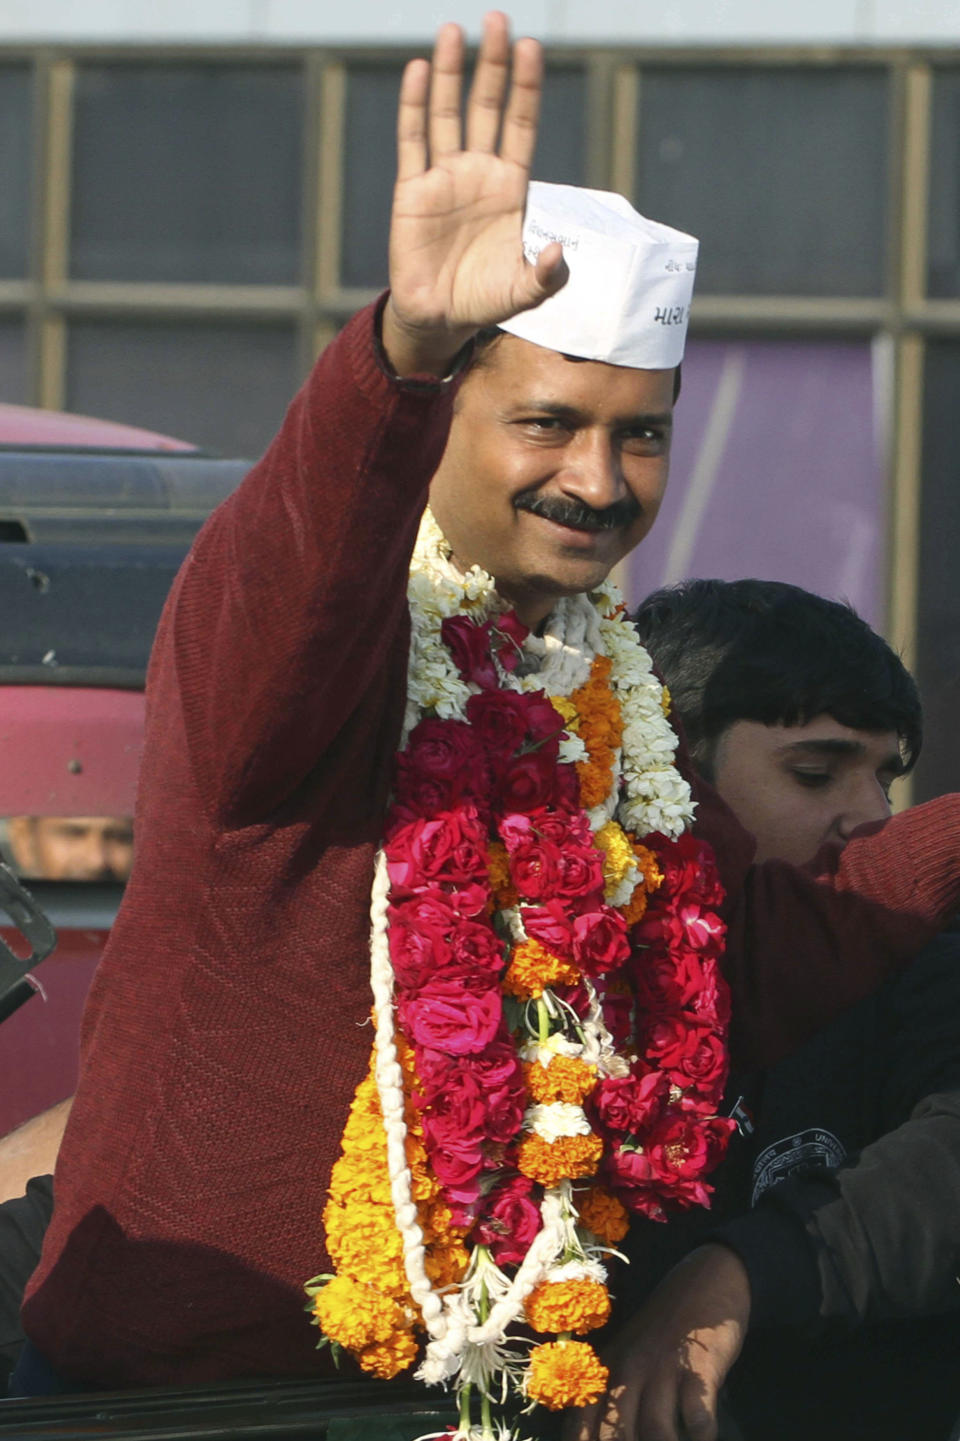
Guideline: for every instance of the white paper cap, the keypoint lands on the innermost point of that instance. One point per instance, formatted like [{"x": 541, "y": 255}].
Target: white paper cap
[{"x": 627, "y": 300}]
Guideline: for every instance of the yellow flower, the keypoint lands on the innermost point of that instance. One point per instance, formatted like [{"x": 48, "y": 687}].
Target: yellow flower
[
  {"x": 579, "y": 1306},
  {"x": 533, "y": 969},
  {"x": 565, "y": 1079},
  {"x": 356, "y": 1315},
  {"x": 604, "y": 1215},
  {"x": 666, "y": 701},
  {"x": 618, "y": 856},
  {"x": 570, "y": 1157},
  {"x": 565, "y": 1373},
  {"x": 386, "y": 1358},
  {"x": 567, "y": 712}
]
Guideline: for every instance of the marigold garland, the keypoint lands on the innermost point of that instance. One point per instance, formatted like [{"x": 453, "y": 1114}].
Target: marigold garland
[
  {"x": 603, "y": 1214},
  {"x": 547, "y": 1000},
  {"x": 566, "y": 1373},
  {"x": 578, "y": 1305},
  {"x": 549, "y": 1162},
  {"x": 564, "y": 1078}
]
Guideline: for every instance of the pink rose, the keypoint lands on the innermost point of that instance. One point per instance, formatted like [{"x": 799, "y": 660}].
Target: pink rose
[
  {"x": 447, "y": 1017},
  {"x": 458, "y": 1171},
  {"x": 509, "y": 1221}
]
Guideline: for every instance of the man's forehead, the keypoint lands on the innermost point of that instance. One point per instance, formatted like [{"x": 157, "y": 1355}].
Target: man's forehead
[{"x": 531, "y": 372}]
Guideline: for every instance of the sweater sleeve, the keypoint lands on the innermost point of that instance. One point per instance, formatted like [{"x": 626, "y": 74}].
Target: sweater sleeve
[
  {"x": 804, "y": 943},
  {"x": 295, "y": 589},
  {"x": 877, "y": 1238}
]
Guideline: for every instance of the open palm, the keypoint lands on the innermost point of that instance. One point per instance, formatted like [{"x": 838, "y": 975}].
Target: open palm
[{"x": 456, "y": 258}]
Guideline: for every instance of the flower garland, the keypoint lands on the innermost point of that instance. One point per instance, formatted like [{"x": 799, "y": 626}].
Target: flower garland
[{"x": 550, "y": 1015}]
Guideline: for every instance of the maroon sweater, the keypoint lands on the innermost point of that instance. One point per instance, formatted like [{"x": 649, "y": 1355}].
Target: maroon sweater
[{"x": 227, "y": 1026}]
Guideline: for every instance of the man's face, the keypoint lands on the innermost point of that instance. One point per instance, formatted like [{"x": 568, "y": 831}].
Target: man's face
[
  {"x": 72, "y": 848},
  {"x": 797, "y": 787},
  {"x": 553, "y": 471}
]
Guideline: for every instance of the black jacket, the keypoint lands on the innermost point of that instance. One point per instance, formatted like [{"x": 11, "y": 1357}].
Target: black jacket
[{"x": 844, "y": 1205}]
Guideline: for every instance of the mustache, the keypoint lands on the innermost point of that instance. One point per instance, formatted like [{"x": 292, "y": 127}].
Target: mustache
[{"x": 566, "y": 510}]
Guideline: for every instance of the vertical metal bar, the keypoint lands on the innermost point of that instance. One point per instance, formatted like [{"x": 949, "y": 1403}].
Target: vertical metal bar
[
  {"x": 330, "y": 189},
  {"x": 626, "y": 120},
  {"x": 313, "y": 74},
  {"x": 602, "y": 68},
  {"x": 54, "y": 230},
  {"x": 916, "y": 183},
  {"x": 914, "y": 95}
]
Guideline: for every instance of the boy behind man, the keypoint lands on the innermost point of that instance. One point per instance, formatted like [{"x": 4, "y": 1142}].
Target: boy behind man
[{"x": 834, "y": 1242}]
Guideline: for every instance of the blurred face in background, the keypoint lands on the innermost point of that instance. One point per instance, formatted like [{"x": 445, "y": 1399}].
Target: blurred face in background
[{"x": 71, "y": 848}]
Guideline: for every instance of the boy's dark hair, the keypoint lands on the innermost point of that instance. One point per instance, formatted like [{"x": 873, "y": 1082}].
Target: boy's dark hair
[{"x": 765, "y": 651}]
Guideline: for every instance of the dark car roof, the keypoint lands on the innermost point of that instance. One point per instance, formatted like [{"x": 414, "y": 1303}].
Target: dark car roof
[{"x": 89, "y": 545}]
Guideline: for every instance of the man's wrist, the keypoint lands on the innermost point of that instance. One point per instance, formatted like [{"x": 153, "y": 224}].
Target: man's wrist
[{"x": 411, "y": 352}]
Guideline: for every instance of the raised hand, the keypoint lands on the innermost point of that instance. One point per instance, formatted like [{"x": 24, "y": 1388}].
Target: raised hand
[{"x": 456, "y": 259}]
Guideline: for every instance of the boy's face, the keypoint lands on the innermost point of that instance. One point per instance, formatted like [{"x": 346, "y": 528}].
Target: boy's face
[{"x": 798, "y": 787}]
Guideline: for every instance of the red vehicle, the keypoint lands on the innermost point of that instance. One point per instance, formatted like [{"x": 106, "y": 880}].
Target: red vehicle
[{"x": 95, "y": 519}]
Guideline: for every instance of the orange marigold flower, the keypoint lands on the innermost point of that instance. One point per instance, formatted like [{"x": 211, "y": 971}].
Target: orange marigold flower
[
  {"x": 565, "y": 1373},
  {"x": 533, "y": 969},
  {"x": 355, "y": 1314},
  {"x": 594, "y": 783},
  {"x": 579, "y": 1306},
  {"x": 566, "y": 1078},
  {"x": 498, "y": 869},
  {"x": 604, "y": 1215},
  {"x": 548, "y": 1162},
  {"x": 387, "y": 1358}
]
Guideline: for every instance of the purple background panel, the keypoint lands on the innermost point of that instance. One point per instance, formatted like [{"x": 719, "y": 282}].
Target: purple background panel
[{"x": 776, "y": 472}]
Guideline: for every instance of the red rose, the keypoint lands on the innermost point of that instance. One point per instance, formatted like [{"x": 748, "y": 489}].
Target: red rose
[
  {"x": 476, "y": 949},
  {"x": 672, "y": 1040},
  {"x": 497, "y": 1066},
  {"x": 447, "y": 1017},
  {"x": 581, "y": 875},
  {"x": 687, "y": 1147},
  {"x": 562, "y": 827},
  {"x": 629, "y": 1104},
  {"x": 704, "y": 929},
  {"x": 600, "y": 941},
  {"x": 498, "y": 722},
  {"x": 704, "y": 1067},
  {"x": 469, "y": 645},
  {"x": 545, "y": 725},
  {"x": 528, "y": 782},
  {"x": 509, "y": 1221},
  {"x": 449, "y": 848},
  {"x": 418, "y": 948},
  {"x": 509, "y": 636},
  {"x": 456, "y": 1116},
  {"x": 505, "y": 1108},
  {"x": 667, "y": 983},
  {"x": 689, "y": 870},
  {"x": 535, "y": 869},
  {"x": 551, "y": 925}
]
